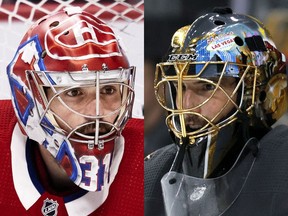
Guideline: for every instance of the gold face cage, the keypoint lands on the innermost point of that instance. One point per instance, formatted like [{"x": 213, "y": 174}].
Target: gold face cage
[{"x": 169, "y": 90}]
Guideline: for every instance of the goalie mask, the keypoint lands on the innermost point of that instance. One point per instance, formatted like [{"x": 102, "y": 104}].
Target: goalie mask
[
  {"x": 72, "y": 90},
  {"x": 223, "y": 85},
  {"x": 222, "y": 71}
]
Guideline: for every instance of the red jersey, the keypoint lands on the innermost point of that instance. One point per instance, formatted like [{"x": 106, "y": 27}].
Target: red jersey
[{"x": 30, "y": 197}]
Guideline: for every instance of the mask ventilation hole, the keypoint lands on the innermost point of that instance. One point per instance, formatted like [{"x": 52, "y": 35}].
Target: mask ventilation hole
[
  {"x": 172, "y": 181},
  {"x": 219, "y": 22},
  {"x": 54, "y": 24},
  {"x": 43, "y": 54},
  {"x": 31, "y": 113},
  {"x": 41, "y": 21},
  {"x": 239, "y": 41},
  {"x": 56, "y": 143}
]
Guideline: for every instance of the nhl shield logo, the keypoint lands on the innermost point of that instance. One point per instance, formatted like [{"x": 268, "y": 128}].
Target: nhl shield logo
[{"x": 50, "y": 207}]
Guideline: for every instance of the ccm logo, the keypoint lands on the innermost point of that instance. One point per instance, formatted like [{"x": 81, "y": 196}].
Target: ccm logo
[{"x": 182, "y": 57}]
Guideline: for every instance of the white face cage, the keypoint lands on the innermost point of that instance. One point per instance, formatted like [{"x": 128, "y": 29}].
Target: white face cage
[{"x": 60, "y": 91}]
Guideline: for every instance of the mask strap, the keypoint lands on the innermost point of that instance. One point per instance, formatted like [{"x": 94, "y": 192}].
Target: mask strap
[{"x": 180, "y": 155}]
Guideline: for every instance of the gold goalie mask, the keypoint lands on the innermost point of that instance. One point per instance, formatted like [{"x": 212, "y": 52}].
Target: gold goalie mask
[{"x": 223, "y": 82}]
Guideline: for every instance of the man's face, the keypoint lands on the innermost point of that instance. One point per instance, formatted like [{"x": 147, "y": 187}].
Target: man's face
[
  {"x": 85, "y": 101},
  {"x": 84, "y": 104},
  {"x": 200, "y": 96}
]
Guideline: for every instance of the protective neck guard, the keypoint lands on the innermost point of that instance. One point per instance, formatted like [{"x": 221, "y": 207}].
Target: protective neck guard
[{"x": 187, "y": 195}]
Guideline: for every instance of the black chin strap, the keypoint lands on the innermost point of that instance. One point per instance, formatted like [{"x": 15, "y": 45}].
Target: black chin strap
[
  {"x": 176, "y": 166},
  {"x": 243, "y": 119}
]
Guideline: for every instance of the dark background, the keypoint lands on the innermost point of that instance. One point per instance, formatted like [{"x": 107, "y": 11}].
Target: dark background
[{"x": 164, "y": 17}]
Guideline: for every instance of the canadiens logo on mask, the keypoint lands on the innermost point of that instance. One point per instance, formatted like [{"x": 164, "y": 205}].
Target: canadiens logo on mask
[{"x": 78, "y": 37}]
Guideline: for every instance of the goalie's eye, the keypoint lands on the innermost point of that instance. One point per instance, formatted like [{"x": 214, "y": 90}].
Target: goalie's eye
[
  {"x": 74, "y": 92},
  {"x": 108, "y": 90}
]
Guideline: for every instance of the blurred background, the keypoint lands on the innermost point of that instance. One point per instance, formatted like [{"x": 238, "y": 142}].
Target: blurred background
[{"x": 164, "y": 17}]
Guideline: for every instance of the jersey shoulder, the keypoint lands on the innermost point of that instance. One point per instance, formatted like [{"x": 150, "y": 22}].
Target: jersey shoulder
[
  {"x": 156, "y": 165},
  {"x": 7, "y": 115},
  {"x": 266, "y": 187},
  {"x": 9, "y": 201}
]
